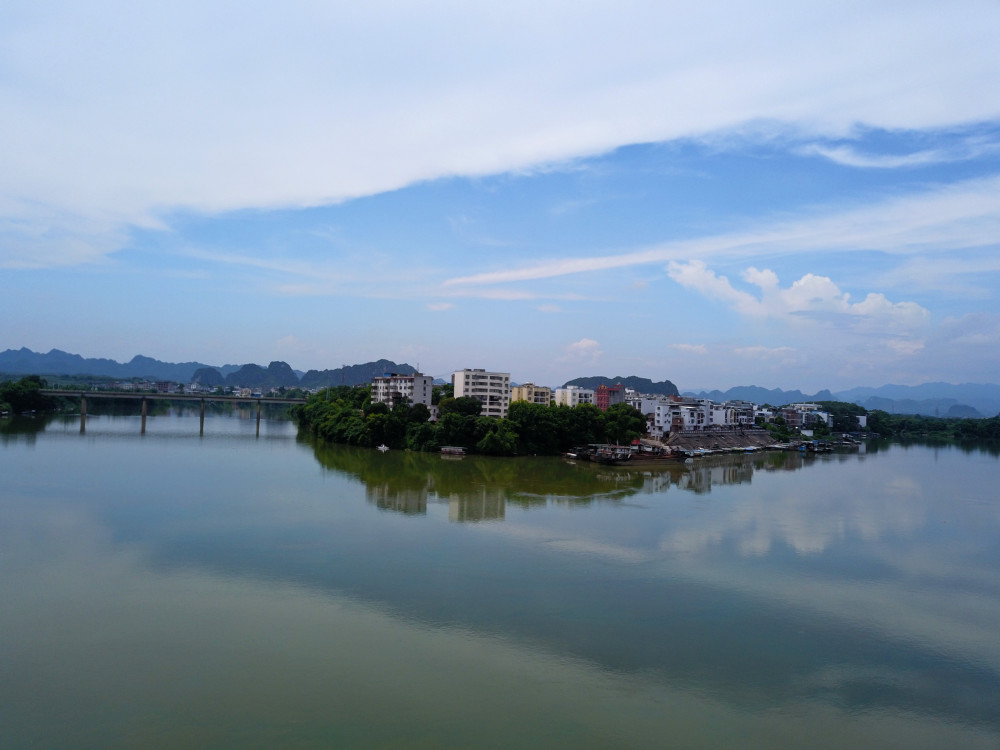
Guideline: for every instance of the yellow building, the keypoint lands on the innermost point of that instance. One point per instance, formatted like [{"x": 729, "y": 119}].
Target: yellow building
[{"x": 534, "y": 394}]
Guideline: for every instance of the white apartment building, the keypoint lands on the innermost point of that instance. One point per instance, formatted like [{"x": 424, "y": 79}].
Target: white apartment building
[
  {"x": 644, "y": 403},
  {"x": 684, "y": 415},
  {"x": 674, "y": 416},
  {"x": 573, "y": 395},
  {"x": 416, "y": 387},
  {"x": 491, "y": 388}
]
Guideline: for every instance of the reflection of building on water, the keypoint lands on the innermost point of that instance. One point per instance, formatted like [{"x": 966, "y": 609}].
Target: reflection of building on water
[
  {"x": 384, "y": 497},
  {"x": 486, "y": 505},
  {"x": 700, "y": 478}
]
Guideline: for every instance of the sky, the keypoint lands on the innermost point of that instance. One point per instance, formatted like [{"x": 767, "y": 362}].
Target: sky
[{"x": 783, "y": 194}]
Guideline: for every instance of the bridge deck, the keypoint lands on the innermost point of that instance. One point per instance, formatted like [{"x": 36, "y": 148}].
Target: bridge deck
[{"x": 79, "y": 393}]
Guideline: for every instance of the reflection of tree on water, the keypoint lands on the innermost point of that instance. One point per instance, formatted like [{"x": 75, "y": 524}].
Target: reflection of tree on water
[
  {"x": 479, "y": 488},
  {"x": 475, "y": 487},
  {"x": 26, "y": 429}
]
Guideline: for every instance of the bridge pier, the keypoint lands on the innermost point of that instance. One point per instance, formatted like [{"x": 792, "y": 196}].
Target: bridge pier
[
  {"x": 83, "y": 413},
  {"x": 258, "y": 417},
  {"x": 143, "y": 430},
  {"x": 201, "y": 428}
]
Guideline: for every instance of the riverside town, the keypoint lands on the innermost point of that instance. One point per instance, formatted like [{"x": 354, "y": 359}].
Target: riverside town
[{"x": 483, "y": 412}]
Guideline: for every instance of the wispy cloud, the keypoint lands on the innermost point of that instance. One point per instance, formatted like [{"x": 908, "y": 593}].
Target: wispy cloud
[
  {"x": 229, "y": 125},
  {"x": 690, "y": 348},
  {"x": 942, "y": 220},
  {"x": 440, "y": 306},
  {"x": 852, "y": 156},
  {"x": 584, "y": 350},
  {"x": 763, "y": 351}
]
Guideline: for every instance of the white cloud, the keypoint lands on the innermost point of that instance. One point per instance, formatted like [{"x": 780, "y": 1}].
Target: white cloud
[
  {"x": 943, "y": 221},
  {"x": 905, "y": 347},
  {"x": 113, "y": 115},
  {"x": 763, "y": 351},
  {"x": 970, "y": 148},
  {"x": 440, "y": 306},
  {"x": 585, "y": 349},
  {"x": 811, "y": 296}
]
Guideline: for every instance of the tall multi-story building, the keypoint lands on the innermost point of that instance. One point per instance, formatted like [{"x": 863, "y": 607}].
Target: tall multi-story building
[
  {"x": 491, "y": 388},
  {"x": 535, "y": 394},
  {"x": 387, "y": 389},
  {"x": 609, "y": 395},
  {"x": 574, "y": 395}
]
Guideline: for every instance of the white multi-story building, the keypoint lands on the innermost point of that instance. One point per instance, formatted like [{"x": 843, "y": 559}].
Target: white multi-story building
[
  {"x": 491, "y": 388},
  {"x": 644, "y": 403},
  {"x": 679, "y": 416},
  {"x": 417, "y": 388},
  {"x": 573, "y": 395},
  {"x": 743, "y": 412}
]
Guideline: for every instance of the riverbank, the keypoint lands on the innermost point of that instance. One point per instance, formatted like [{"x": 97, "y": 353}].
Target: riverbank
[{"x": 721, "y": 440}]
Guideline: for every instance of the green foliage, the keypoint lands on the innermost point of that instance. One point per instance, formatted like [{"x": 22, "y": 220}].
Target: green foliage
[
  {"x": 937, "y": 428},
  {"x": 439, "y": 392},
  {"x": 24, "y": 395},
  {"x": 845, "y": 415},
  {"x": 500, "y": 440},
  {"x": 465, "y": 406},
  {"x": 778, "y": 430},
  {"x": 537, "y": 427},
  {"x": 623, "y": 424},
  {"x": 422, "y": 436},
  {"x": 456, "y": 429},
  {"x": 376, "y": 409},
  {"x": 580, "y": 425},
  {"x": 343, "y": 415},
  {"x": 419, "y": 413}
]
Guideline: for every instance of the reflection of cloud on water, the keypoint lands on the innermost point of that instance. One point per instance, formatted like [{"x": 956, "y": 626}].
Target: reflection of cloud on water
[
  {"x": 231, "y": 652},
  {"x": 807, "y": 521},
  {"x": 564, "y": 542},
  {"x": 942, "y": 619}
]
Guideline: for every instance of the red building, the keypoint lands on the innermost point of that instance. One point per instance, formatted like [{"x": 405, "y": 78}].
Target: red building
[{"x": 609, "y": 395}]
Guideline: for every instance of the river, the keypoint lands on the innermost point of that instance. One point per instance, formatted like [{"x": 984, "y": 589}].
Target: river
[{"x": 229, "y": 589}]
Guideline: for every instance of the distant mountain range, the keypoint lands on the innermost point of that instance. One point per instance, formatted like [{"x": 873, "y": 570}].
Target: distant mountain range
[
  {"x": 26, "y": 362},
  {"x": 642, "y": 385},
  {"x": 930, "y": 399}
]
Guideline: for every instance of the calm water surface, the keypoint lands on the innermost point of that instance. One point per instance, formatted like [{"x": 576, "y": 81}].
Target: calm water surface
[{"x": 234, "y": 590}]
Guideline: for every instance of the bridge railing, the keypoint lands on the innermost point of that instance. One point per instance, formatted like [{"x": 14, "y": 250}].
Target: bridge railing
[{"x": 83, "y": 395}]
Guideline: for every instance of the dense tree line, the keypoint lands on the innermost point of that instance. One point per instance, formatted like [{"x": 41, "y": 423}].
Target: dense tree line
[
  {"x": 844, "y": 413},
  {"x": 943, "y": 428},
  {"x": 25, "y": 395},
  {"x": 347, "y": 415}
]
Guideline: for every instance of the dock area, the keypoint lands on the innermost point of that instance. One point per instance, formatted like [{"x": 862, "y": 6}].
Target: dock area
[{"x": 726, "y": 440}]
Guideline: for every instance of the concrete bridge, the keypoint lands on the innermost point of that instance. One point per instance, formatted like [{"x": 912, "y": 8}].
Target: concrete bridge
[{"x": 84, "y": 395}]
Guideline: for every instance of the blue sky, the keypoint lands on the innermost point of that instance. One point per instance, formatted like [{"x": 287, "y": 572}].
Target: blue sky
[{"x": 796, "y": 197}]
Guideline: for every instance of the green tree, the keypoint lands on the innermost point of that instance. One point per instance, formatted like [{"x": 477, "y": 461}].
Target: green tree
[
  {"x": 465, "y": 406},
  {"x": 25, "y": 394},
  {"x": 422, "y": 436},
  {"x": 419, "y": 413},
  {"x": 456, "y": 429},
  {"x": 623, "y": 424},
  {"x": 537, "y": 427},
  {"x": 499, "y": 440},
  {"x": 377, "y": 408},
  {"x": 441, "y": 392}
]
